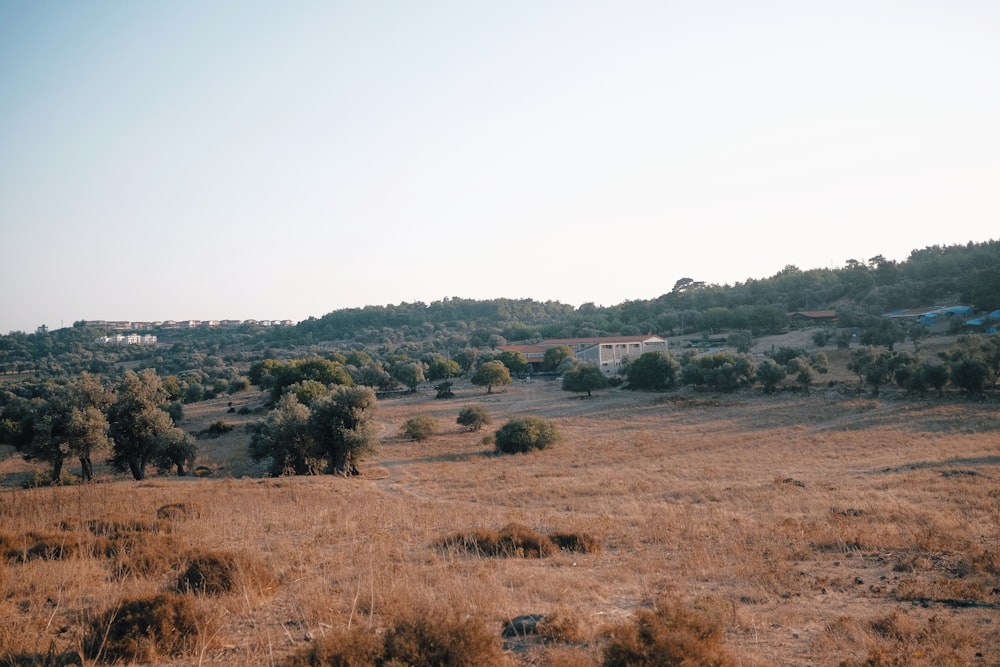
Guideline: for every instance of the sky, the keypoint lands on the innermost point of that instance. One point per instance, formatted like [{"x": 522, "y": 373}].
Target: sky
[{"x": 281, "y": 160}]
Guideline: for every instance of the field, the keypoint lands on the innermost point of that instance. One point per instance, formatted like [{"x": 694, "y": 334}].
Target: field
[{"x": 820, "y": 529}]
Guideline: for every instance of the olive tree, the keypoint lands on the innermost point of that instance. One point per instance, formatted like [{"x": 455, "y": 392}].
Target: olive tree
[
  {"x": 584, "y": 378},
  {"x": 555, "y": 356},
  {"x": 284, "y": 438},
  {"x": 341, "y": 426},
  {"x": 140, "y": 427},
  {"x": 491, "y": 374},
  {"x": 653, "y": 370},
  {"x": 770, "y": 374}
]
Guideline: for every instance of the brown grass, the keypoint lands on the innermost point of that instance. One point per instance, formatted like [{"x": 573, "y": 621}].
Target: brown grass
[
  {"x": 145, "y": 629},
  {"x": 892, "y": 512}
]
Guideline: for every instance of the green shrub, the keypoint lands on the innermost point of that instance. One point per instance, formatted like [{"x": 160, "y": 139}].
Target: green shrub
[
  {"x": 523, "y": 434},
  {"x": 474, "y": 417},
  {"x": 420, "y": 428}
]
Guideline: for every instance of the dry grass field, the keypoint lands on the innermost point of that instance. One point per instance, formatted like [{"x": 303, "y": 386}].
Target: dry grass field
[{"x": 822, "y": 529}]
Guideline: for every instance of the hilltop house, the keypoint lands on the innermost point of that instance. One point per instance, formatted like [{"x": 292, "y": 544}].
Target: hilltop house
[{"x": 609, "y": 353}]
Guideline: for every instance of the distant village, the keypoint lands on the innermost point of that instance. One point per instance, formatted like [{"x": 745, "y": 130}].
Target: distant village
[{"x": 150, "y": 339}]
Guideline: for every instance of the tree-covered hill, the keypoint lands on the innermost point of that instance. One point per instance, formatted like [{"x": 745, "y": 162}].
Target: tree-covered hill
[{"x": 936, "y": 275}]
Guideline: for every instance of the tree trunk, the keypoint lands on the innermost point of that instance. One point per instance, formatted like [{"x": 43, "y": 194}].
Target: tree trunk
[
  {"x": 180, "y": 468},
  {"x": 340, "y": 459},
  {"x": 136, "y": 468},
  {"x": 86, "y": 469},
  {"x": 57, "y": 466}
]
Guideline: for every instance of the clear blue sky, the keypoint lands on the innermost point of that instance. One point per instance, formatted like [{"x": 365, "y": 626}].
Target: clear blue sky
[{"x": 280, "y": 160}]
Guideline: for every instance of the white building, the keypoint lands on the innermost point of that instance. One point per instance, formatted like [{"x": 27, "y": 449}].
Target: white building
[{"x": 609, "y": 353}]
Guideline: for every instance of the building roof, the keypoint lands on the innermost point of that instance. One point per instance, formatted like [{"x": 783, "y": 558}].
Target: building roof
[
  {"x": 550, "y": 342},
  {"x": 816, "y": 314}
]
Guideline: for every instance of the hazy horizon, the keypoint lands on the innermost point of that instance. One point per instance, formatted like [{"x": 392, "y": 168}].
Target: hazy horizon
[{"x": 259, "y": 160}]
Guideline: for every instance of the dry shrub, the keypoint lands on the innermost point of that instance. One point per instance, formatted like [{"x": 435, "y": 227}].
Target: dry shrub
[
  {"x": 143, "y": 555},
  {"x": 215, "y": 572},
  {"x": 897, "y": 639},
  {"x": 416, "y": 639},
  {"x": 116, "y": 527},
  {"x": 564, "y": 656},
  {"x": 430, "y": 638},
  {"x": 38, "y": 546},
  {"x": 176, "y": 511},
  {"x": 668, "y": 636},
  {"x": 50, "y": 658},
  {"x": 145, "y": 629},
  {"x": 347, "y": 648},
  {"x": 560, "y": 625},
  {"x": 576, "y": 542},
  {"x": 517, "y": 540}
]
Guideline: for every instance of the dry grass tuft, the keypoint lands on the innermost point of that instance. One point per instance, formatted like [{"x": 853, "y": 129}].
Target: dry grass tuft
[
  {"x": 51, "y": 658},
  {"x": 143, "y": 555},
  {"x": 417, "y": 638},
  {"x": 177, "y": 511},
  {"x": 576, "y": 542},
  {"x": 516, "y": 540},
  {"x": 344, "y": 648},
  {"x": 666, "y": 637},
  {"x": 118, "y": 526},
  {"x": 898, "y": 639},
  {"x": 217, "y": 572},
  {"x": 146, "y": 629},
  {"x": 38, "y": 546}
]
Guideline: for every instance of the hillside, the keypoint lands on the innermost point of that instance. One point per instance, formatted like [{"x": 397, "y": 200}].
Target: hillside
[{"x": 831, "y": 528}]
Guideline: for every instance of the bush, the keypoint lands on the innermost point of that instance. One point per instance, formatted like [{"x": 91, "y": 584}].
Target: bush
[
  {"x": 420, "y": 638},
  {"x": 517, "y": 540},
  {"x": 523, "y": 434},
  {"x": 214, "y": 572},
  {"x": 432, "y": 638},
  {"x": 344, "y": 648},
  {"x": 474, "y": 417},
  {"x": 420, "y": 428},
  {"x": 216, "y": 429},
  {"x": 145, "y": 629},
  {"x": 666, "y": 637}
]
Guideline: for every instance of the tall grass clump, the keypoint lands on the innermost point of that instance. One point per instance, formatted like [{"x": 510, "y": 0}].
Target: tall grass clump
[
  {"x": 145, "y": 629},
  {"x": 669, "y": 636},
  {"x": 416, "y": 638}
]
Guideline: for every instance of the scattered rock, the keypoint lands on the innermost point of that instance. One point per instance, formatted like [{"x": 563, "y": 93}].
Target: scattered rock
[{"x": 525, "y": 624}]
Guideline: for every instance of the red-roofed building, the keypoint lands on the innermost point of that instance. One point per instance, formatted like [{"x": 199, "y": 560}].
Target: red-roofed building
[{"x": 814, "y": 316}]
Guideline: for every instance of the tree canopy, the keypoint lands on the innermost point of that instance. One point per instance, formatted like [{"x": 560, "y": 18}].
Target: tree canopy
[
  {"x": 491, "y": 374},
  {"x": 584, "y": 378}
]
